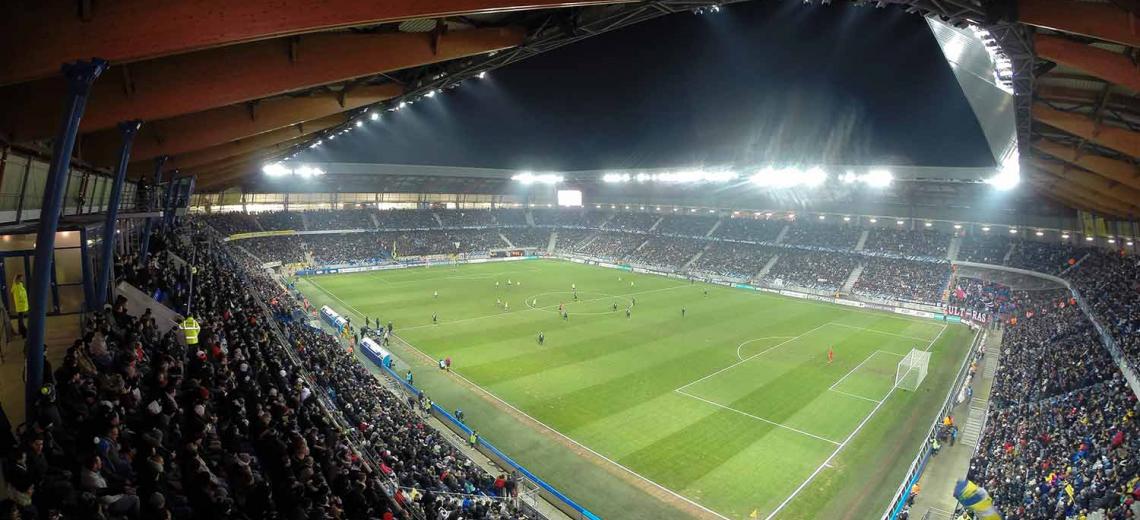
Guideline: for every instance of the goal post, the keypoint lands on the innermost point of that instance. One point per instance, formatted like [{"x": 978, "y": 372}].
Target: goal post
[{"x": 911, "y": 371}]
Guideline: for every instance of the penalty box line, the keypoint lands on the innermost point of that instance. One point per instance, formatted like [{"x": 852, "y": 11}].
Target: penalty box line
[
  {"x": 758, "y": 418},
  {"x": 827, "y": 462},
  {"x": 852, "y": 371}
]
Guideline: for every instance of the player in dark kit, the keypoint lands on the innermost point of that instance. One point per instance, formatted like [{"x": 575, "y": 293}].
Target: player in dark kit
[
  {"x": 435, "y": 318},
  {"x": 541, "y": 338},
  {"x": 627, "y": 313},
  {"x": 682, "y": 312}
]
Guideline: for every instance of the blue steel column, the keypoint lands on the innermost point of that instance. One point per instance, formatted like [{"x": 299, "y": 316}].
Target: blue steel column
[
  {"x": 128, "y": 129},
  {"x": 80, "y": 75},
  {"x": 144, "y": 240},
  {"x": 168, "y": 206}
]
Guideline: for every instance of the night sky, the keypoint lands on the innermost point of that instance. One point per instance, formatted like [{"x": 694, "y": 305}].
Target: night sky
[{"x": 758, "y": 83}]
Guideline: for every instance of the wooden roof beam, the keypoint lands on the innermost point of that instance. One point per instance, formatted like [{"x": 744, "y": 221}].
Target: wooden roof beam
[
  {"x": 49, "y": 33},
  {"x": 1104, "y": 21},
  {"x": 200, "y": 130},
  {"x": 1107, "y": 65},
  {"x": 1120, "y": 139},
  {"x": 209, "y": 79},
  {"x": 1115, "y": 170}
]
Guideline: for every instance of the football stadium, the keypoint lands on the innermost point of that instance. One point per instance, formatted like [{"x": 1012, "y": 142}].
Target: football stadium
[{"x": 569, "y": 260}]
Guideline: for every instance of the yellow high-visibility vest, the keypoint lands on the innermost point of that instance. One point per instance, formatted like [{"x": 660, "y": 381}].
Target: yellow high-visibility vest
[
  {"x": 191, "y": 328},
  {"x": 19, "y": 297}
]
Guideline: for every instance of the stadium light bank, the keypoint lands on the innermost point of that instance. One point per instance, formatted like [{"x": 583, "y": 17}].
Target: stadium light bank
[
  {"x": 537, "y": 178},
  {"x": 280, "y": 170},
  {"x": 767, "y": 177}
]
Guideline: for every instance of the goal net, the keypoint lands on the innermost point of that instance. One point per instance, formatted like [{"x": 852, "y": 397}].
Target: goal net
[{"x": 912, "y": 370}]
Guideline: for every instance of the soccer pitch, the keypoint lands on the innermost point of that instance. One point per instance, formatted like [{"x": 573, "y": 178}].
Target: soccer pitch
[{"x": 730, "y": 409}]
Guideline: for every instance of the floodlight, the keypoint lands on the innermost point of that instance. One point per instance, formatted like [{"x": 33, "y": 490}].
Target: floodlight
[
  {"x": 1065, "y": 236},
  {"x": 874, "y": 220},
  {"x": 373, "y": 115},
  {"x": 1129, "y": 243},
  {"x": 275, "y": 169},
  {"x": 542, "y": 178},
  {"x": 1012, "y": 231},
  {"x": 986, "y": 229},
  {"x": 1040, "y": 233},
  {"x": 1008, "y": 176},
  {"x": 1088, "y": 239},
  {"x": 928, "y": 224},
  {"x": 616, "y": 177},
  {"x": 878, "y": 178},
  {"x": 847, "y": 219},
  {"x": 431, "y": 93},
  {"x": 359, "y": 123},
  {"x": 957, "y": 226},
  {"x": 402, "y": 105},
  {"x": 821, "y": 217},
  {"x": 481, "y": 75},
  {"x": 900, "y": 222}
]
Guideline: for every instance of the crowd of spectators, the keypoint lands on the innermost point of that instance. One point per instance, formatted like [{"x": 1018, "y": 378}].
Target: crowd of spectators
[
  {"x": 135, "y": 425},
  {"x": 686, "y": 225},
  {"x": 983, "y": 248},
  {"x": 329, "y": 220},
  {"x": 347, "y": 248},
  {"x": 231, "y": 223},
  {"x": 907, "y": 242},
  {"x": 1044, "y": 257},
  {"x": 981, "y": 298},
  {"x": 569, "y": 239},
  {"x": 407, "y": 219},
  {"x": 750, "y": 229},
  {"x": 733, "y": 260},
  {"x": 821, "y": 270},
  {"x": 527, "y": 237},
  {"x": 898, "y": 279},
  {"x": 444, "y": 242},
  {"x": 465, "y": 218},
  {"x": 1062, "y": 419},
  {"x": 561, "y": 217},
  {"x": 637, "y": 222},
  {"x": 609, "y": 245},
  {"x": 823, "y": 234},
  {"x": 281, "y": 220},
  {"x": 286, "y": 249},
  {"x": 662, "y": 251},
  {"x": 1110, "y": 283},
  {"x": 510, "y": 217}
]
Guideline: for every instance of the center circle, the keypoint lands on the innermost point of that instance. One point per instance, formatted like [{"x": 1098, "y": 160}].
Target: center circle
[{"x": 595, "y": 303}]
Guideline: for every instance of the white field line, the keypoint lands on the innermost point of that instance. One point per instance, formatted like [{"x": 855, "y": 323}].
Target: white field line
[
  {"x": 931, "y": 345},
  {"x": 852, "y": 371},
  {"x": 876, "y": 331},
  {"x": 827, "y": 462},
  {"x": 540, "y": 308},
  {"x": 848, "y": 394},
  {"x": 576, "y": 443},
  {"x": 758, "y": 418},
  {"x": 745, "y": 342},
  {"x": 749, "y": 358}
]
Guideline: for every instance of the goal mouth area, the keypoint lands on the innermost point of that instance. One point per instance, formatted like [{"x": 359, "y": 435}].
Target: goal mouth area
[{"x": 912, "y": 369}]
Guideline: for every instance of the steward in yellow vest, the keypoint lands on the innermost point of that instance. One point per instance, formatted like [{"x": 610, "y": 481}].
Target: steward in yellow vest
[{"x": 190, "y": 328}]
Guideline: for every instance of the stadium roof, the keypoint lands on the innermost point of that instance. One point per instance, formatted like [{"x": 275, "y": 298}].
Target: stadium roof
[{"x": 224, "y": 86}]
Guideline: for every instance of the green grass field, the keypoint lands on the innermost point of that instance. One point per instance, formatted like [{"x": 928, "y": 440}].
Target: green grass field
[{"x": 731, "y": 409}]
